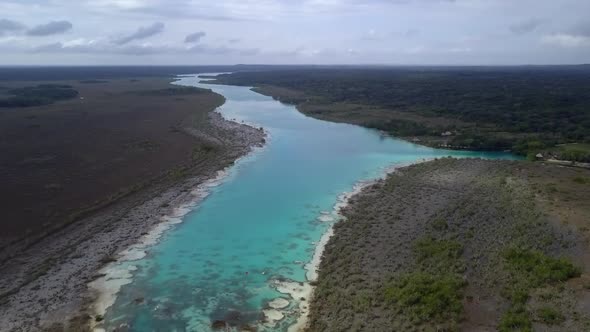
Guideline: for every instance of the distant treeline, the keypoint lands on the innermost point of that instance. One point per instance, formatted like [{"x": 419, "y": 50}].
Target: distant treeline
[
  {"x": 176, "y": 91},
  {"x": 41, "y": 94},
  {"x": 97, "y": 73},
  {"x": 549, "y": 104}
]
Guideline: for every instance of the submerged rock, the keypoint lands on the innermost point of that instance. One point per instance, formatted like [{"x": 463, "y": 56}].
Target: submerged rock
[
  {"x": 219, "y": 325},
  {"x": 248, "y": 328}
]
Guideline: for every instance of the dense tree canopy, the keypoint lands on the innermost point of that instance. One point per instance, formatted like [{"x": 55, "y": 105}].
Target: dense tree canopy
[{"x": 551, "y": 102}]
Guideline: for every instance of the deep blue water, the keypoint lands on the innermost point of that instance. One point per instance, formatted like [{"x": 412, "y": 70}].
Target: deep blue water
[{"x": 261, "y": 223}]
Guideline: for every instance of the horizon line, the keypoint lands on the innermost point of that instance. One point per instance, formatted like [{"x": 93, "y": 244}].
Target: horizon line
[{"x": 292, "y": 65}]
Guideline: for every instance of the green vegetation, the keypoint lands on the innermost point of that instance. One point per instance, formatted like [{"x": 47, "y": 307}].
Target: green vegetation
[
  {"x": 550, "y": 316},
  {"x": 522, "y": 109},
  {"x": 434, "y": 293},
  {"x": 402, "y": 127},
  {"x": 575, "y": 152},
  {"x": 516, "y": 319},
  {"x": 437, "y": 255},
  {"x": 177, "y": 91},
  {"x": 424, "y": 296},
  {"x": 529, "y": 269},
  {"x": 461, "y": 244},
  {"x": 536, "y": 268},
  {"x": 41, "y": 94}
]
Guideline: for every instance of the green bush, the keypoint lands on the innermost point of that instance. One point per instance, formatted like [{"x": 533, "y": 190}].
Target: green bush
[
  {"x": 537, "y": 268},
  {"x": 530, "y": 147},
  {"x": 426, "y": 296},
  {"x": 516, "y": 320},
  {"x": 575, "y": 155},
  {"x": 440, "y": 225},
  {"x": 550, "y": 316},
  {"x": 443, "y": 251}
]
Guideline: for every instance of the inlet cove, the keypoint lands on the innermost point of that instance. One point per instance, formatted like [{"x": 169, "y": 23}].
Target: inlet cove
[{"x": 242, "y": 254}]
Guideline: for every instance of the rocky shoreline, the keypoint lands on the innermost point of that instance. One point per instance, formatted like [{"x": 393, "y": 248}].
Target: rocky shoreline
[
  {"x": 45, "y": 288},
  {"x": 303, "y": 293}
]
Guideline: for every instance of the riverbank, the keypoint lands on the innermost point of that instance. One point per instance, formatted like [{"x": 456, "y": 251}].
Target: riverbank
[
  {"x": 303, "y": 292},
  {"x": 454, "y": 244},
  {"x": 45, "y": 286},
  {"x": 413, "y": 126},
  {"x": 461, "y": 108}
]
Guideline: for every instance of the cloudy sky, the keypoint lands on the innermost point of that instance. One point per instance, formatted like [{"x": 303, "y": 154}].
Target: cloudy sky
[{"x": 95, "y": 32}]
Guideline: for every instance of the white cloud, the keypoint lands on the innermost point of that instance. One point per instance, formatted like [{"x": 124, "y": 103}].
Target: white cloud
[
  {"x": 122, "y": 4},
  {"x": 566, "y": 40}
]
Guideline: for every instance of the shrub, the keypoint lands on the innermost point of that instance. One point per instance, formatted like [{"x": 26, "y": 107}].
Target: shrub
[
  {"x": 516, "y": 320},
  {"x": 440, "y": 225},
  {"x": 537, "y": 268},
  {"x": 550, "y": 316},
  {"x": 426, "y": 296},
  {"x": 575, "y": 155},
  {"x": 443, "y": 255}
]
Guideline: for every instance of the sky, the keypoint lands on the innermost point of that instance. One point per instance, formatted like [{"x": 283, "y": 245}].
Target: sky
[{"x": 205, "y": 32}]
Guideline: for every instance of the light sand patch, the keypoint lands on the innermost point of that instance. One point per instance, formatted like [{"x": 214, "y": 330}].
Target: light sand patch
[
  {"x": 300, "y": 292},
  {"x": 109, "y": 285},
  {"x": 273, "y": 315},
  {"x": 278, "y": 303},
  {"x": 313, "y": 266},
  {"x": 326, "y": 218}
]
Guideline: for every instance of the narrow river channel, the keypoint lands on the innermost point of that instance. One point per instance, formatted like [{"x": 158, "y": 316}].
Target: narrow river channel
[{"x": 260, "y": 224}]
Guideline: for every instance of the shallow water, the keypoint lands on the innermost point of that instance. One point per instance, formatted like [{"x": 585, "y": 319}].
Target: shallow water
[{"x": 261, "y": 223}]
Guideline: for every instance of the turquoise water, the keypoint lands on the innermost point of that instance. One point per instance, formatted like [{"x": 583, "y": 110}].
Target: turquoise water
[{"x": 260, "y": 224}]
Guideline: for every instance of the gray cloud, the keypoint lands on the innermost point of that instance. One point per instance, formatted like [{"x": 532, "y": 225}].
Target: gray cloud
[
  {"x": 141, "y": 33},
  {"x": 463, "y": 32},
  {"x": 51, "y": 28},
  {"x": 102, "y": 48},
  {"x": 194, "y": 37},
  {"x": 581, "y": 29},
  {"x": 526, "y": 26},
  {"x": 8, "y": 26}
]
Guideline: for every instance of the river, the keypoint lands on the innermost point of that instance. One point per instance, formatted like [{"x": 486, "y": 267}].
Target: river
[{"x": 260, "y": 223}]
